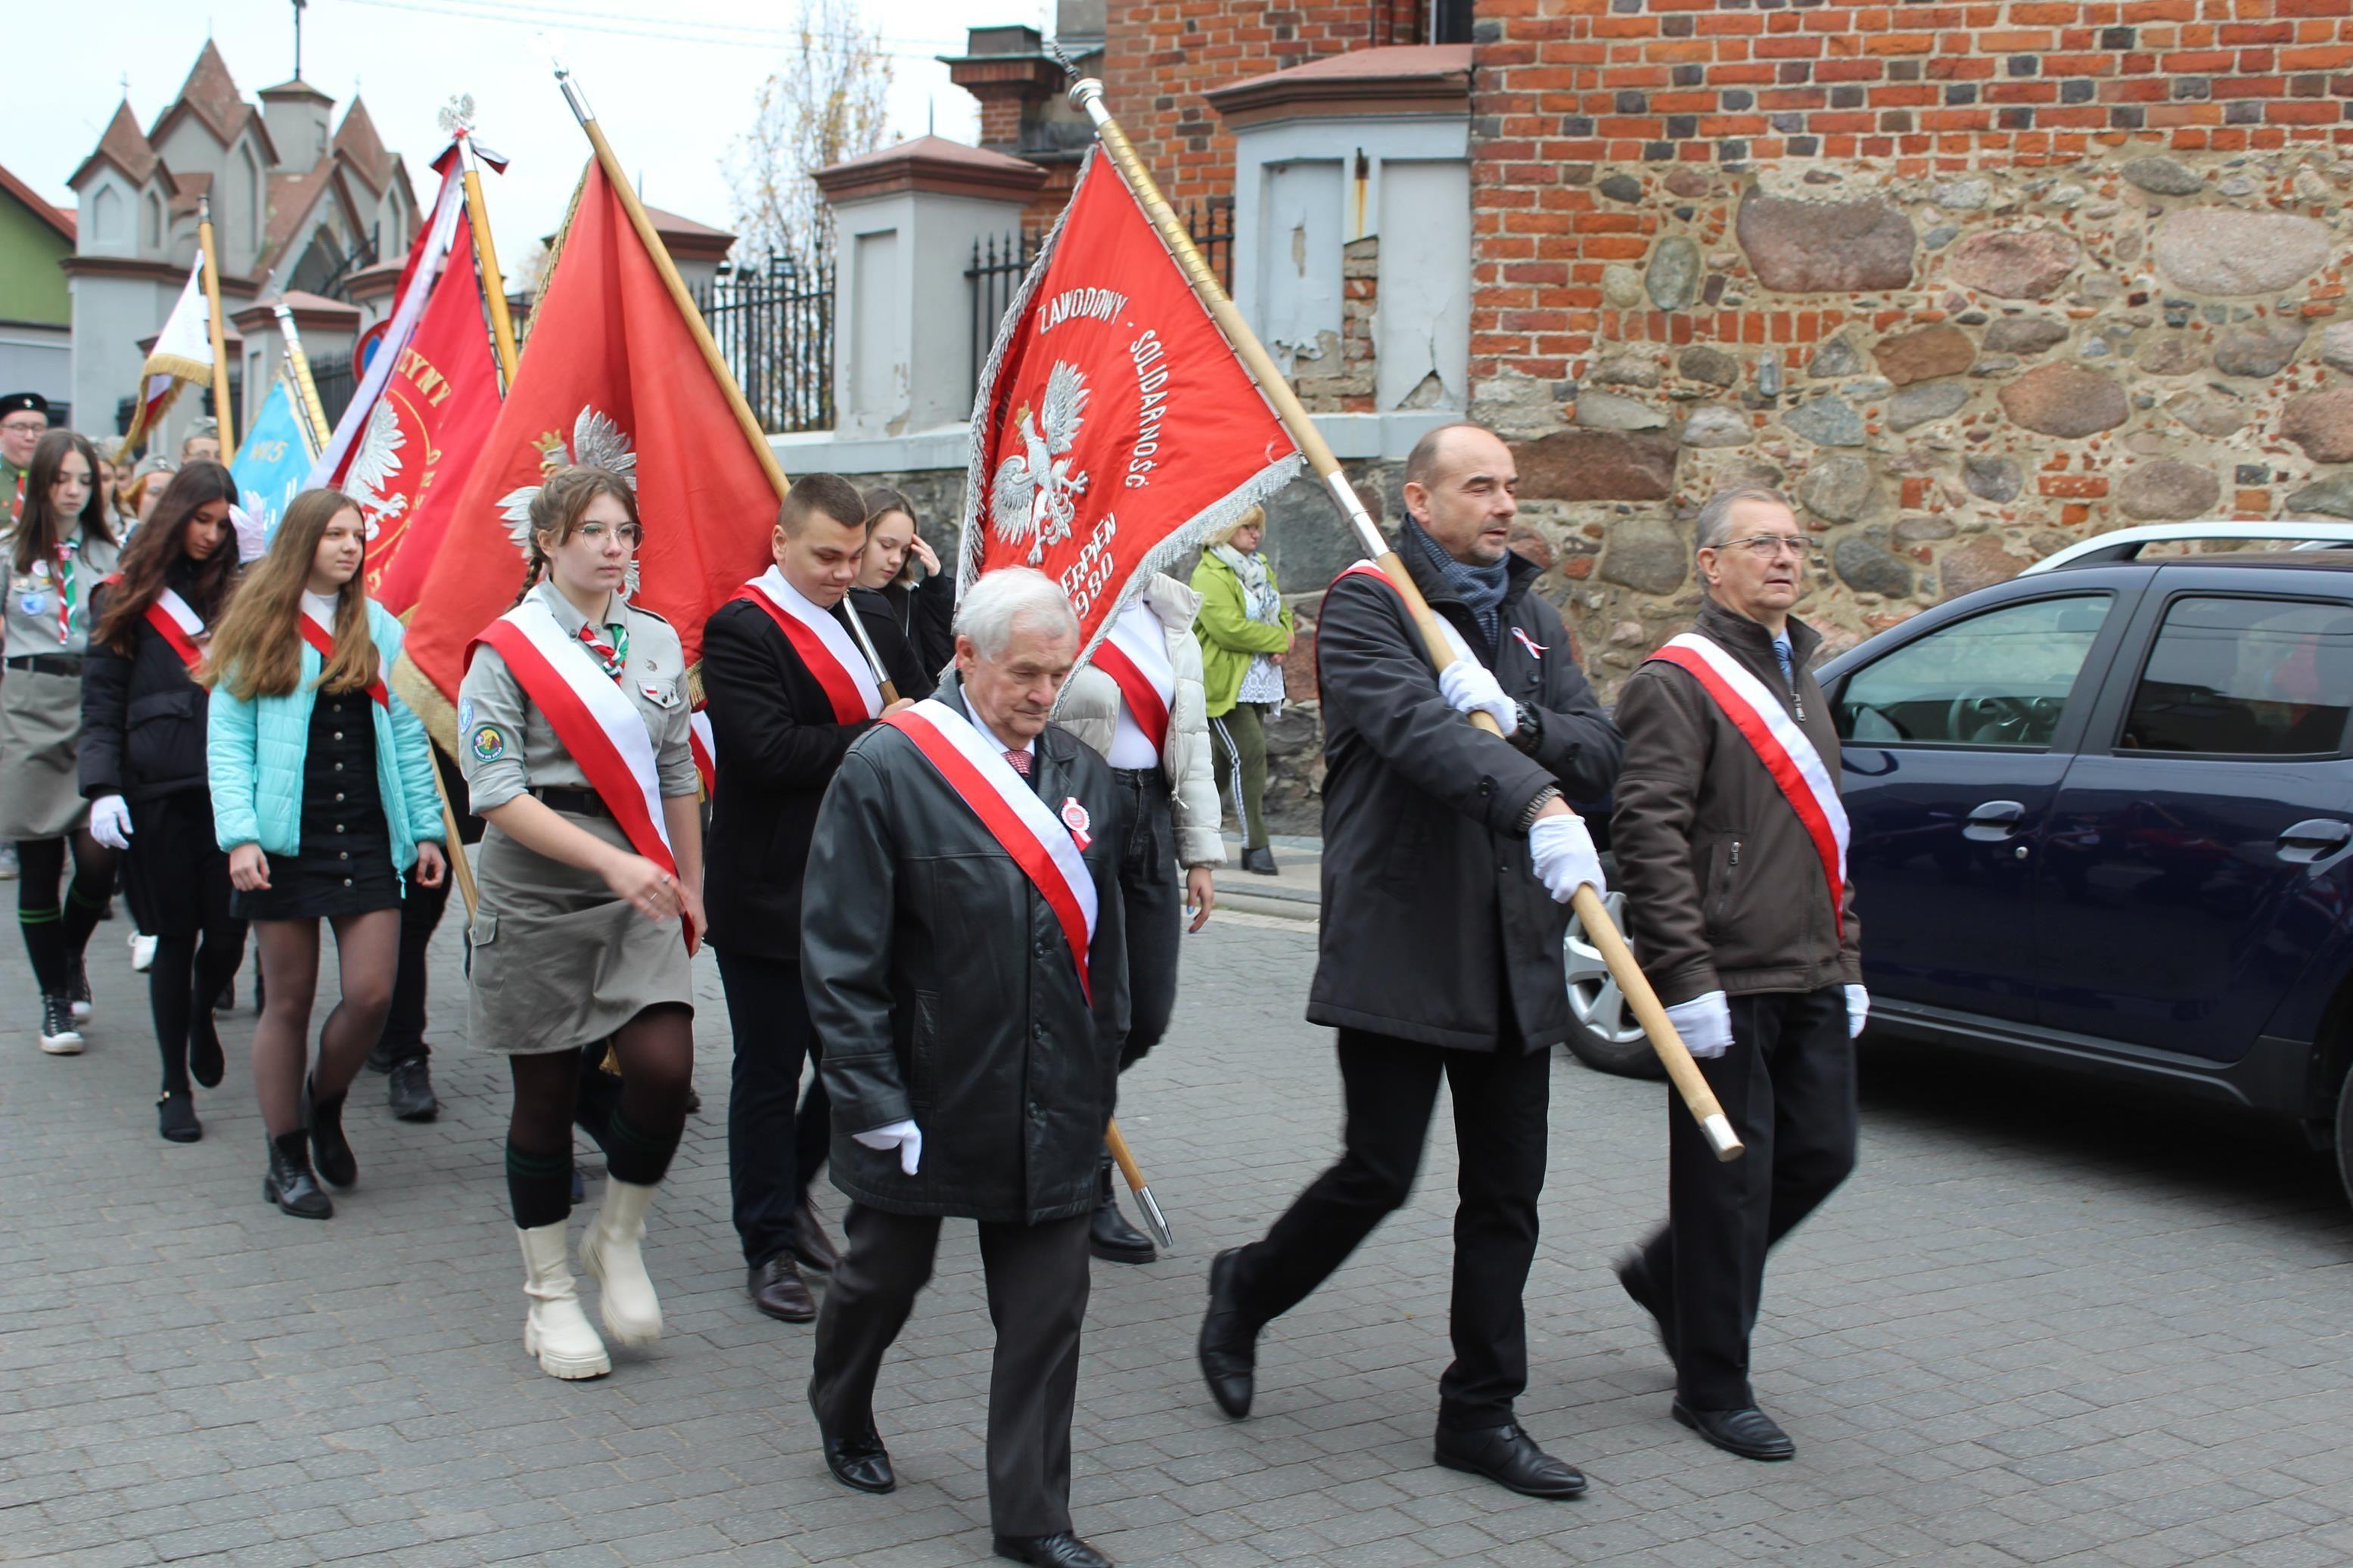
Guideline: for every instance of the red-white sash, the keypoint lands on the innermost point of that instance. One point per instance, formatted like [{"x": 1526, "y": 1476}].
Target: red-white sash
[
  {"x": 320, "y": 636},
  {"x": 1137, "y": 690},
  {"x": 599, "y": 725},
  {"x": 173, "y": 620},
  {"x": 1453, "y": 639},
  {"x": 1040, "y": 843},
  {"x": 1779, "y": 743},
  {"x": 701, "y": 740},
  {"x": 824, "y": 644}
]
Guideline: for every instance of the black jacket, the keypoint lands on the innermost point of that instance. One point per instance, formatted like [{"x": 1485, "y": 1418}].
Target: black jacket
[
  {"x": 939, "y": 979},
  {"x": 776, "y": 747},
  {"x": 927, "y": 615},
  {"x": 143, "y": 719},
  {"x": 1431, "y": 912}
]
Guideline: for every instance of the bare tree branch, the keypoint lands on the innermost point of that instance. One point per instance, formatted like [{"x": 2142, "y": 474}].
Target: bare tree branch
[{"x": 825, "y": 103}]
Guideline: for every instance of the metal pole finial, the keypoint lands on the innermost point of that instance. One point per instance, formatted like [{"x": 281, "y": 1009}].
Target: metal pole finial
[
  {"x": 1061, "y": 57},
  {"x": 573, "y": 95}
]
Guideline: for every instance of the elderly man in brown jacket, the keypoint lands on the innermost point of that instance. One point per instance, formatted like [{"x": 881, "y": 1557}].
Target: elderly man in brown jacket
[{"x": 1731, "y": 847}]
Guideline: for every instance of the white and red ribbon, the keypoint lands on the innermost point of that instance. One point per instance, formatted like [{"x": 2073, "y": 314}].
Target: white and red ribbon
[
  {"x": 824, "y": 644},
  {"x": 179, "y": 624},
  {"x": 322, "y": 637},
  {"x": 1016, "y": 817},
  {"x": 704, "y": 745},
  {"x": 1779, "y": 743},
  {"x": 1132, "y": 664},
  {"x": 599, "y": 726}
]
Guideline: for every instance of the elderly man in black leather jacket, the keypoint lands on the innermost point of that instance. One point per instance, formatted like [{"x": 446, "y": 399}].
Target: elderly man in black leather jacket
[{"x": 973, "y": 1005}]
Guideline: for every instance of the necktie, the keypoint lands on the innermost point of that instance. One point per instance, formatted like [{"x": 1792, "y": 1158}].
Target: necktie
[
  {"x": 1782, "y": 652},
  {"x": 611, "y": 653},
  {"x": 1021, "y": 762},
  {"x": 65, "y": 592}
]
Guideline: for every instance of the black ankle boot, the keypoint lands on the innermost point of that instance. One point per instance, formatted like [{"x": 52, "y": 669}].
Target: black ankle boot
[
  {"x": 289, "y": 1183},
  {"x": 205, "y": 1058},
  {"x": 338, "y": 1167},
  {"x": 1112, "y": 1237}
]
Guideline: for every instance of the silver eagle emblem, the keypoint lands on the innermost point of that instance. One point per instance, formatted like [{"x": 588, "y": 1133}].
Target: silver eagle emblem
[
  {"x": 597, "y": 443},
  {"x": 1035, "y": 495}
]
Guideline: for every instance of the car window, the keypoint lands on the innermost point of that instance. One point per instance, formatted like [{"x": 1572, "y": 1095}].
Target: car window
[
  {"x": 2001, "y": 679},
  {"x": 2245, "y": 677}
]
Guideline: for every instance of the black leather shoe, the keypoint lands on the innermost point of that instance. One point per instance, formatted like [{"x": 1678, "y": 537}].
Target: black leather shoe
[
  {"x": 205, "y": 1063},
  {"x": 1509, "y": 1458},
  {"x": 175, "y": 1117},
  {"x": 330, "y": 1150},
  {"x": 1749, "y": 1433},
  {"x": 1112, "y": 1237},
  {"x": 860, "y": 1463},
  {"x": 1228, "y": 1346},
  {"x": 289, "y": 1183},
  {"x": 1260, "y": 861},
  {"x": 1059, "y": 1549},
  {"x": 812, "y": 1248},
  {"x": 1635, "y": 1280},
  {"x": 410, "y": 1091},
  {"x": 776, "y": 1289},
  {"x": 226, "y": 1001}
]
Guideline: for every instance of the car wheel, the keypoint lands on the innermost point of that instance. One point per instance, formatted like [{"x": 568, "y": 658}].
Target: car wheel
[
  {"x": 1602, "y": 1033},
  {"x": 2345, "y": 1134}
]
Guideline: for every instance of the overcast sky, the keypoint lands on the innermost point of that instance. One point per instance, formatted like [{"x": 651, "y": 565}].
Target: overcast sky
[{"x": 671, "y": 83}]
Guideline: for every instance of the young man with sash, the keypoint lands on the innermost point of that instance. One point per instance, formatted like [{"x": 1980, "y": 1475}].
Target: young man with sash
[
  {"x": 967, "y": 969},
  {"x": 1732, "y": 852},
  {"x": 786, "y": 688}
]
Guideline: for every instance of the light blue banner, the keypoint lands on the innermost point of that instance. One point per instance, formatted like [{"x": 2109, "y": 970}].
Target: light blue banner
[{"x": 274, "y": 463}]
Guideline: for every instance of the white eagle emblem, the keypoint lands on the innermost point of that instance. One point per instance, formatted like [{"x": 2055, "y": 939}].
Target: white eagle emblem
[
  {"x": 377, "y": 464},
  {"x": 597, "y": 443},
  {"x": 1035, "y": 496}
]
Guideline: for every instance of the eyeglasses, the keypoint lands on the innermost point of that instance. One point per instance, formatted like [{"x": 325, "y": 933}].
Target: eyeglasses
[
  {"x": 25, "y": 426},
  {"x": 1766, "y": 546},
  {"x": 629, "y": 533}
]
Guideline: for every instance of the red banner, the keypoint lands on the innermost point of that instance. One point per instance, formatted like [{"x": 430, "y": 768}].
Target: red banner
[
  {"x": 1113, "y": 427},
  {"x": 611, "y": 377},
  {"x": 425, "y": 432}
]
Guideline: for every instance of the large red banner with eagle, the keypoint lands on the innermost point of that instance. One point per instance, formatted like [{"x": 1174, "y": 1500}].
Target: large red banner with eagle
[
  {"x": 1113, "y": 427},
  {"x": 611, "y": 377}
]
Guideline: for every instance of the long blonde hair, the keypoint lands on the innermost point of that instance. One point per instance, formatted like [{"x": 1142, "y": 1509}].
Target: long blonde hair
[{"x": 257, "y": 649}]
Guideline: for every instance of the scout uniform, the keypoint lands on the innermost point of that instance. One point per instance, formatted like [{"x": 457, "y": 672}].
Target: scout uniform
[
  {"x": 559, "y": 961},
  {"x": 12, "y": 477},
  {"x": 47, "y": 624}
]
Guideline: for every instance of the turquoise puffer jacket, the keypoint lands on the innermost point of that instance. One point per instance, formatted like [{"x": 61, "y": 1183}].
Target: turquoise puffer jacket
[{"x": 254, "y": 752}]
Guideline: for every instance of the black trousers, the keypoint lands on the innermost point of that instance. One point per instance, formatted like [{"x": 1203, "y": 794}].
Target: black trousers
[
  {"x": 1501, "y": 1100},
  {"x": 774, "y": 1151},
  {"x": 1788, "y": 1084},
  {"x": 1037, "y": 1278},
  {"x": 420, "y": 917},
  {"x": 1152, "y": 897}
]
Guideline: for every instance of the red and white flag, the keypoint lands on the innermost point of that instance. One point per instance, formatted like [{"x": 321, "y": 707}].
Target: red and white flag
[{"x": 1113, "y": 427}]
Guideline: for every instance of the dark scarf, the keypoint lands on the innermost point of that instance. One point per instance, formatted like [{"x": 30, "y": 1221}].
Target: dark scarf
[{"x": 1480, "y": 588}]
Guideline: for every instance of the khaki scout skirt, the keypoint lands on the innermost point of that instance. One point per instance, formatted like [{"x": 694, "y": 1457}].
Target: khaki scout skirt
[
  {"x": 40, "y": 755},
  {"x": 559, "y": 962}
]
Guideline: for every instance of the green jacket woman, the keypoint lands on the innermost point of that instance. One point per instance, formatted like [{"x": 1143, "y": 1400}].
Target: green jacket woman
[{"x": 1244, "y": 630}]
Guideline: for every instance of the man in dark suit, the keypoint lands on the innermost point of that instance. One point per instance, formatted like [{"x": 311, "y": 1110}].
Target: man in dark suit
[
  {"x": 967, "y": 969},
  {"x": 1447, "y": 856},
  {"x": 787, "y": 688}
]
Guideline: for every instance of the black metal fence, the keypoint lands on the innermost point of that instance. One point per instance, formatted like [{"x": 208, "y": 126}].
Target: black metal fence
[
  {"x": 775, "y": 329},
  {"x": 999, "y": 262},
  {"x": 336, "y": 380}
]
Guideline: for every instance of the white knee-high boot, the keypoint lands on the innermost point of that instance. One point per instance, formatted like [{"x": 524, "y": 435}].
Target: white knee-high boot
[
  {"x": 609, "y": 1253},
  {"x": 555, "y": 1329}
]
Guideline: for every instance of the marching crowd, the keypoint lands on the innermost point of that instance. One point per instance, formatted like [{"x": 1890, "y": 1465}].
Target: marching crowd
[{"x": 950, "y": 857}]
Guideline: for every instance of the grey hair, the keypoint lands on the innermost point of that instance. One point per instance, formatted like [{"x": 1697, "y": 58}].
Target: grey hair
[
  {"x": 989, "y": 608},
  {"x": 1716, "y": 518}
]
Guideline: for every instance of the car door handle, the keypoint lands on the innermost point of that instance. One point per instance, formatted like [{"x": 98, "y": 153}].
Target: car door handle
[
  {"x": 2313, "y": 838},
  {"x": 1994, "y": 821}
]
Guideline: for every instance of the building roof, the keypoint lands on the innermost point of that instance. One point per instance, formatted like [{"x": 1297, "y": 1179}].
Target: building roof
[
  {"x": 210, "y": 94},
  {"x": 295, "y": 88},
  {"x": 930, "y": 164},
  {"x": 1397, "y": 79},
  {"x": 55, "y": 217},
  {"x": 124, "y": 145},
  {"x": 357, "y": 140}
]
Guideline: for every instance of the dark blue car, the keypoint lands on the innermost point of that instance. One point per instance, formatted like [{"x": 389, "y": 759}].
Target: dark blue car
[{"x": 2103, "y": 818}]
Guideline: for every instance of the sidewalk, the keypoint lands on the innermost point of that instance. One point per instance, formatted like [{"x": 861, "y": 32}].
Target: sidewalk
[{"x": 1295, "y": 893}]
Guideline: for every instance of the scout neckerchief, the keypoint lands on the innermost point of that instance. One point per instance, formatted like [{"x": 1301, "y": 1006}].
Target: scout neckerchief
[
  {"x": 1023, "y": 825},
  {"x": 823, "y": 644},
  {"x": 322, "y": 637},
  {"x": 594, "y": 720},
  {"x": 66, "y": 585},
  {"x": 1783, "y": 747},
  {"x": 611, "y": 653}
]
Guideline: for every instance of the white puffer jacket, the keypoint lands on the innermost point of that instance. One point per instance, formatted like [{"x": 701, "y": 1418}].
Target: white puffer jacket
[{"x": 1089, "y": 709}]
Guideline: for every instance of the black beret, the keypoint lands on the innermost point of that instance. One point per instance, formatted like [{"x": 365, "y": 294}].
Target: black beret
[{"x": 18, "y": 402}]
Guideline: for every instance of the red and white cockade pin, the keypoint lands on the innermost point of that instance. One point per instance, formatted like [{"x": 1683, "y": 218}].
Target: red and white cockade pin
[
  {"x": 1075, "y": 818},
  {"x": 1536, "y": 649}
]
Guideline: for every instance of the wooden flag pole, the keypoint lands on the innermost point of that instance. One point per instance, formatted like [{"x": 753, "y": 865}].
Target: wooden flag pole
[
  {"x": 314, "y": 412},
  {"x": 746, "y": 420},
  {"x": 1087, "y": 95},
  {"x": 486, "y": 261},
  {"x": 221, "y": 410}
]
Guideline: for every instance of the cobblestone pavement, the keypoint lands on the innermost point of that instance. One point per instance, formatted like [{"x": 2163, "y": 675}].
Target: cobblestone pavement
[{"x": 2039, "y": 1325}]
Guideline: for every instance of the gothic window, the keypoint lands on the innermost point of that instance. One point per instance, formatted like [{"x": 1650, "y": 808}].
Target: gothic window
[{"x": 106, "y": 218}]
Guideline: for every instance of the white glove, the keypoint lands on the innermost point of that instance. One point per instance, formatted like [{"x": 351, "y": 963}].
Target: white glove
[
  {"x": 1705, "y": 1022},
  {"x": 110, "y": 822},
  {"x": 1562, "y": 850},
  {"x": 252, "y": 535},
  {"x": 1858, "y": 1009},
  {"x": 904, "y": 1136},
  {"x": 1469, "y": 687}
]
